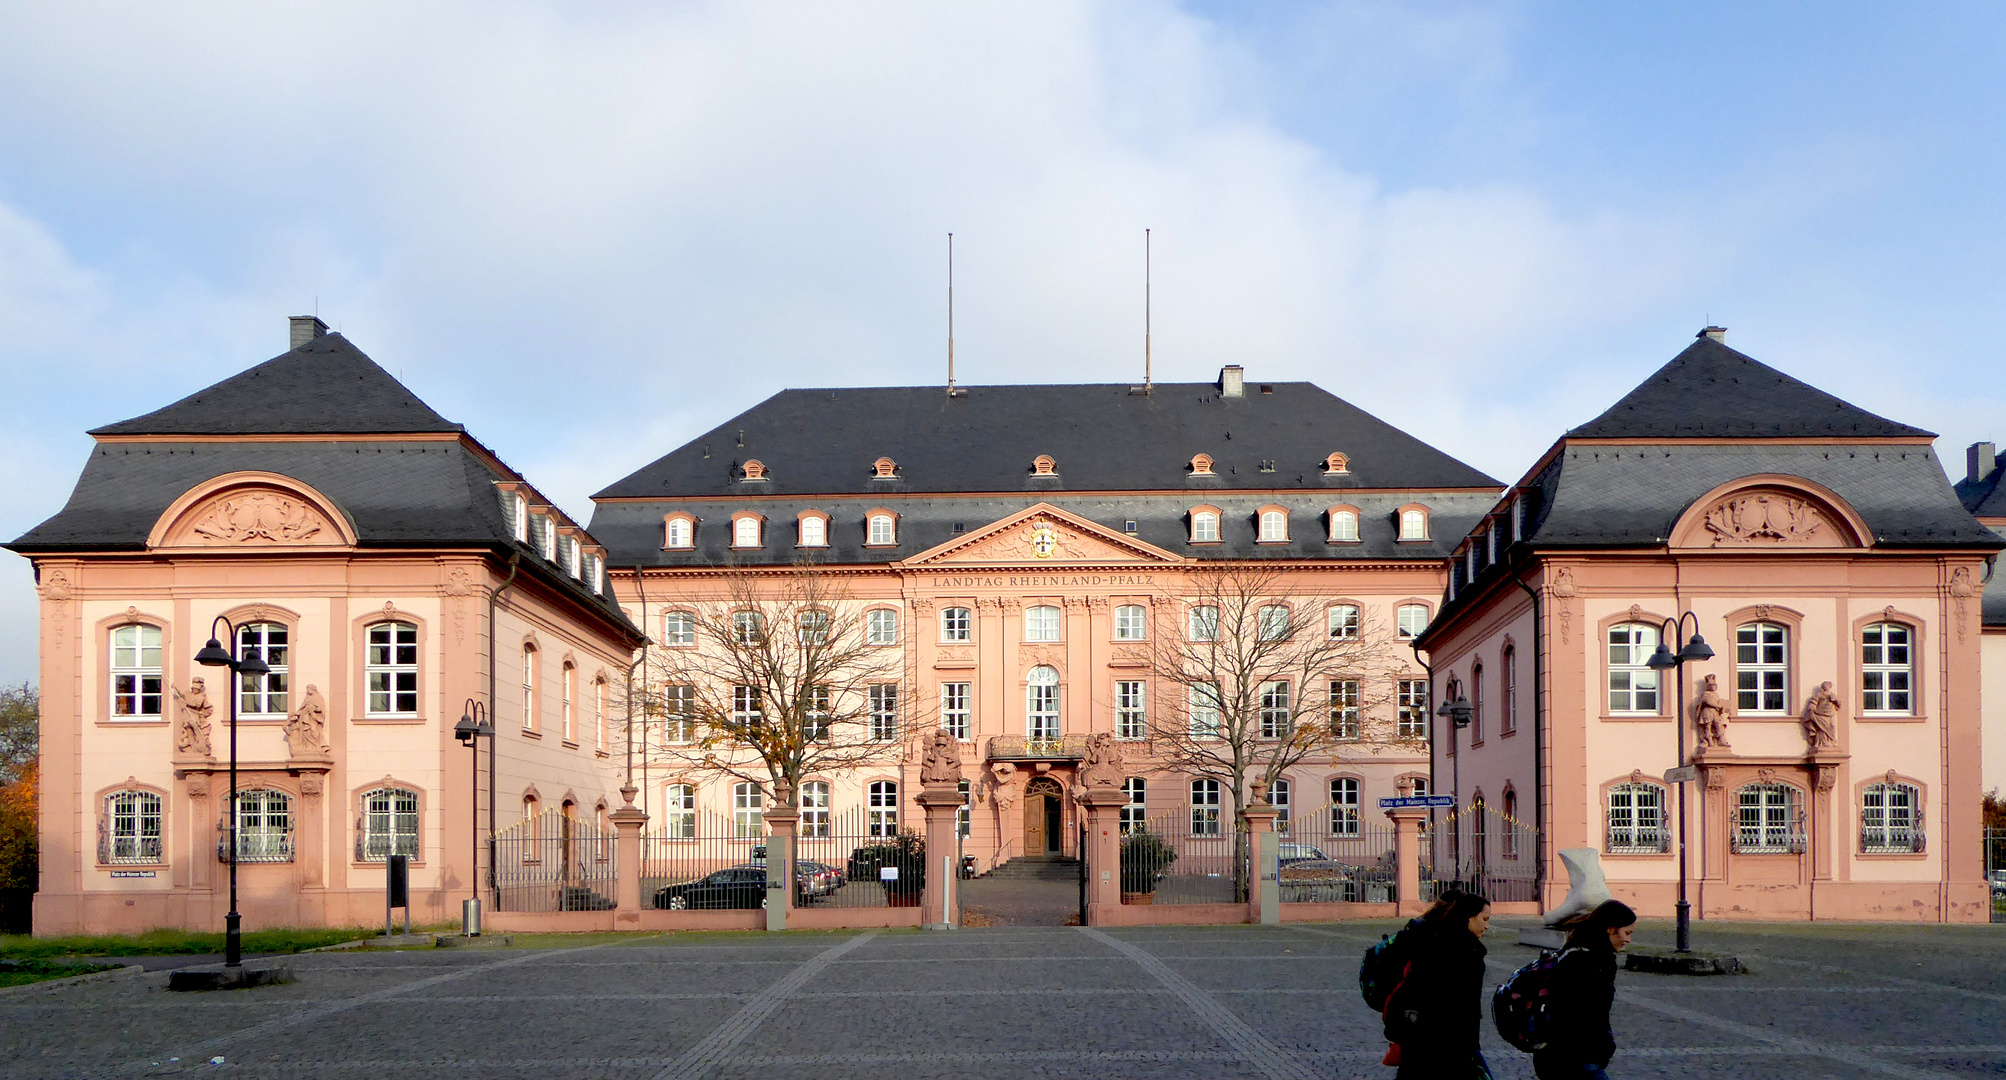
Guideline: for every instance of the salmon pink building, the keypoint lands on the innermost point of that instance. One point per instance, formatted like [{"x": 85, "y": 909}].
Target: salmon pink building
[{"x": 1833, "y": 733}]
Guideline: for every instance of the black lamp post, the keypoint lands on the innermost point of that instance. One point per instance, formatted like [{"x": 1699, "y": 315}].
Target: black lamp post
[
  {"x": 1663, "y": 659},
  {"x": 253, "y": 664},
  {"x": 1458, "y": 712},
  {"x": 471, "y": 729}
]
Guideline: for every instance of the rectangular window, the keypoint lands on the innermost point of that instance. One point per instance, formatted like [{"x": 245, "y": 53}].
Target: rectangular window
[
  {"x": 1633, "y": 686},
  {"x": 1766, "y": 820},
  {"x": 745, "y": 707},
  {"x": 814, "y": 805},
  {"x": 881, "y": 626},
  {"x": 1131, "y": 720},
  {"x": 884, "y": 698},
  {"x": 1272, "y": 623},
  {"x": 1128, "y": 622},
  {"x": 1204, "y": 624},
  {"x": 1508, "y": 693},
  {"x": 964, "y": 815},
  {"x": 956, "y": 708},
  {"x": 1761, "y": 668},
  {"x": 263, "y": 695},
  {"x": 1344, "y": 622},
  {"x": 132, "y": 827},
  {"x": 1276, "y": 715},
  {"x": 1041, "y": 700},
  {"x": 1885, "y": 670},
  {"x": 389, "y": 824},
  {"x": 135, "y": 670},
  {"x": 391, "y": 666},
  {"x": 1344, "y": 708},
  {"x": 1410, "y": 620},
  {"x": 679, "y": 819},
  {"x": 1411, "y": 709},
  {"x": 815, "y": 713},
  {"x": 748, "y": 811},
  {"x": 1134, "y": 812},
  {"x": 881, "y": 808},
  {"x": 679, "y": 628},
  {"x": 1205, "y": 808},
  {"x": 955, "y": 625},
  {"x": 679, "y": 709},
  {"x": 1637, "y": 820},
  {"x": 1344, "y": 803},
  {"x": 1205, "y": 712},
  {"x": 1041, "y": 623},
  {"x": 264, "y": 826}
]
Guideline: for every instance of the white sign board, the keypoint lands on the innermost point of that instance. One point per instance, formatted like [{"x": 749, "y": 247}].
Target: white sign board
[
  {"x": 1684, "y": 774},
  {"x": 888, "y": 873}
]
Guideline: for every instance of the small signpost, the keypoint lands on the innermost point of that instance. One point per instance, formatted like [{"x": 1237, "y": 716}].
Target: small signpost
[
  {"x": 1409, "y": 801},
  {"x": 397, "y": 891},
  {"x": 1684, "y": 774},
  {"x": 888, "y": 873}
]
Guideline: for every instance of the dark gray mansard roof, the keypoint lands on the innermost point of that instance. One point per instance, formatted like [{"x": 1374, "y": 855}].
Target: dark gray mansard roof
[
  {"x": 1985, "y": 497},
  {"x": 1712, "y": 391},
  {"x": 632, "y": 531},
  {"x": 1103, "y": 437}
]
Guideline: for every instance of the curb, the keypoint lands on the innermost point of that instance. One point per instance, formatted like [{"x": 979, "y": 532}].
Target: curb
[
  {"x": 378, "y": 941},
  {"x": 124, "y": 971}
]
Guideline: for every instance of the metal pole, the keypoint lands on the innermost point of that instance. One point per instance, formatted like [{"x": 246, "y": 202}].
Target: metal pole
[
  {"x": 233, "y": 939},
  {"x": 1684, "y": 909}
]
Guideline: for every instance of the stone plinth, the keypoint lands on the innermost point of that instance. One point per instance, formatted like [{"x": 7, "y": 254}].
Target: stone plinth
[{"x": 222, "y": 977}]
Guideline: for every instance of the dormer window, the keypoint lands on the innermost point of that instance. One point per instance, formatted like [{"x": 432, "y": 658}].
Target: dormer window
[
  {"x": 1344, "y": 525},
  {"x": 753, "y": 469},
  {"x": 679, "y": 532},
  {"x": 1043, "y": 465},
  {"x": 1336, "y": 465},
  {"x": 546, "y": 536},
  {"x": 1413, "y": 523},
  {"x": 574, "y": 558},
  {"x": 1201, "y": 465},
  {"x": 884, "y": 469},
  {"x": 812, "y": 529},
  {"x": 1274, "y": 526},
  {"x": 747, "y": 529},
  {"x": 1205, "y": 525},
  {"x": 881, "y": 529}
]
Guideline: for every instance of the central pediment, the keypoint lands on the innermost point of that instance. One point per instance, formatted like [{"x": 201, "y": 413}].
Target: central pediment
[{"x": 1043, "y": 535}]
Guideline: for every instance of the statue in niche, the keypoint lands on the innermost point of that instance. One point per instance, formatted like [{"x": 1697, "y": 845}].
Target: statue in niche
[
  {"x": 306, "y": 727},
  {"x": 940, "y": 764},
  {"x": 1710, "y": 714},
  {"x": 193, "y": 735},
  {"x": 1821, "y": 718}
]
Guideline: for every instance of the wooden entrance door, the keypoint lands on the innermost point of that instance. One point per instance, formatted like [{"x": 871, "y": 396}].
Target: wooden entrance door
[{"x": 1043, "y": 814}]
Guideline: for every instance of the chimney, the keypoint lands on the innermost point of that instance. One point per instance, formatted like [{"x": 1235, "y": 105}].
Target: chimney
[
  {"x": 306, "y": 328},
  {"x": 1714, "y": 333},
  {"x": 1979, "y": 460},
  {"x": 1232, "y": 381}
]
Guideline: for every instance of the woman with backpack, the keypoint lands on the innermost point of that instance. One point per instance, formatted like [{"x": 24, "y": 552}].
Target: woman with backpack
[
  {"x": 1434, "y": 1016},
  {"x": 1581, "y": 990}
]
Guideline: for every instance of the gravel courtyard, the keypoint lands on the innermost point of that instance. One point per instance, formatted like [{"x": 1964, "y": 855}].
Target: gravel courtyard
[{"x": 1228, "y": 1001}]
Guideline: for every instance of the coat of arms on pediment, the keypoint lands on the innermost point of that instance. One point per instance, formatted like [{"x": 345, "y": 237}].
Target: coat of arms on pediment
[
  {"x": 251, "y": 512},
  {"x": 1765, "y": 516},
  {"x": 1044, "y": 535}
]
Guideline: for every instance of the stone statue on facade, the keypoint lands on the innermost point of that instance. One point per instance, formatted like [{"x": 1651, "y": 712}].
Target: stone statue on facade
[
  {"x": 1003, "y": 780},
  {"x": 193, "y": 736},
  {"x": 1101, "y": 766},
  {"x": 306, "y": 726},
  {"x": 1821, "y": 718},
  {"x": 1710, "y": 714},
  {"x": 940, "y": 763}
]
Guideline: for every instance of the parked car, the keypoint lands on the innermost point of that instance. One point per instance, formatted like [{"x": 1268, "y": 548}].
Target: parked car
[
  {"x": 817, "y": 879},
  {"x": 1998, "y": 879},
  {"x": 741, "y": 886},
  {"x": 1295, "y": 853}
]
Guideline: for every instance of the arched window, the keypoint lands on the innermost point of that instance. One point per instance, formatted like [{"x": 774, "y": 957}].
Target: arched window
[
  {"x": 1890, "y": 819},
  {"x": 1413, "y": 525},
  {"x": 529, "y": 717},
  {"x": 1633, "y": 686},
  {"x": 1508, "y": 692},
  {"x": 135, "y": 670},
  {"x": 1129, "y": 622},
  {"x": 1204, "y": 623},
  {"x": 1274, "y": 528},
  {"x": 1343, "y": 526},
  {"x": 1886, "y": 670},
  {"x": 813, "y": 531},
  {"x": 1509, "y": 826},
  {"x": 678, "y": 532},
  {"x": 569, "y": 690},
  {"x": 1041, "y": 623},
  {"x": 599, "y": 713},
  {"x": 264, "y": 826},
  {"x": 1767, "y": 820},
  {"x": 883, "y": 530},
  {"x": 1477, "y": 703},
  {"x": 748, "y": 810},
  {"x": 1205, "y": 808},
  {"x": 389, "y": 824},
  {"x": 1344, "y": 806},
  {"x": 1410, "y": 620},
  {"x": 814, "y": 808},
  {"x": 745, "y": 532},
  {"x": 1278, "y": 797},
  {"x": 1204, "y": 526},
  {"x": 131, "y": 831},
  {"x": 1762, "y": 668},
  {"x": 1135, "y": 811},
  {"x": 390, "y": 669},
  {"x": 881, "y": 808},
  {"x": 881, "y": 626},
  {"x": 1343, "y": 622},
  {"x": 1042, "y": 703},
  {"x": 263, "y": 695},
  {"x": 955, "y": 625},
  {"x": 519, "y": 518},
  {"x": 679, "y": 815}
]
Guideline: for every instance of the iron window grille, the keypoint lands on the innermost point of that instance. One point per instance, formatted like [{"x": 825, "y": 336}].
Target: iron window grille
[
  {"x": 264, "y": 828},
  {"x": 1768, "y": 821},
  {"x": 389, "y": 825},
  {"x": 1891, "y": 820},
  {"x": 130, "y": 832},
  {"x": 1637, "y": 820}
]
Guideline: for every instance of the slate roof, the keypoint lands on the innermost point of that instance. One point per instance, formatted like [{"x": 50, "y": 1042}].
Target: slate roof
[
  {"x": 324, "y": 387},
  {"x": 1712, "y": 391},
  {"x": 1985, "y": 497},
  {"x": 1103, "y": 437}
]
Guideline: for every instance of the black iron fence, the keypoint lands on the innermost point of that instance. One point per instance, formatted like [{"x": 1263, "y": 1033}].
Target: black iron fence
[
  {"x": 1207, "y": 853},
  {"x": 855, "y": 860},
  {"x": 1995, "y": 871},
  {"x": 1334, "y": 856},
  {"x": 1477, "y": 847},
  {"x": 554, "y": 862}
]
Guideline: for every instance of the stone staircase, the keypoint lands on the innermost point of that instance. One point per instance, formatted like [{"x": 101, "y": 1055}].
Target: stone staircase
[{"x": 1038, "y": 868}]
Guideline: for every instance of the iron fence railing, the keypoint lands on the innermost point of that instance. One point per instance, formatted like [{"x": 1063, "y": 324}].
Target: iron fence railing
[
  {"x": 698, "y": 861},
  {"x": 1479, "y": 848},
  {"x": 1995, "y": 871},
  {"x": 841, "y": 863},
  {"x": 1211, "y": 856},
  {"x": 1333, "y": 856},
  {"x": 554, "y": 862}
]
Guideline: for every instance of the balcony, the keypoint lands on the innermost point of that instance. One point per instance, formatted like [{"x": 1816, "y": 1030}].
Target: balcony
[{"x": 1021, "y": 748}]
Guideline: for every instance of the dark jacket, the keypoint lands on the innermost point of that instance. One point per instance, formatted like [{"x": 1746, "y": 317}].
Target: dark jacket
[
  {"x": 1583, "y": 988},
  {"x": 1440, "y": 1005}
]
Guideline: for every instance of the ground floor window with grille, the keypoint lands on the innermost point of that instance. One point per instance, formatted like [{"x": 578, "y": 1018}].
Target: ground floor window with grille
[
  {"x": 1637, "y": 820},
  {"x": 1411, "y": 709},
  {"x": 1204, "y": 807},
  {"x": 1766, "y": 820},
  {"x": 1344, "y": 708},
  {"x": 884, "y": 712},
  {"x": 1890, "y": 819},
  {"x": 679, "y": 815},
  {"x": 1134, "y": 812},
  {"x": 1131, "y": 721},
  {"x": 389, "y": 824},
  {"x": 955, "y": 708},
  {"x": 881, "y": 808},
  {"x": 1344, "y": 806},
  {"x": 748, "y": 810},
  {"x": 131, "y": 828},
  {"x": 814, "y": 808},
  {"x": 264, "y": 826},
  {"x": 1278, "y": 797}
]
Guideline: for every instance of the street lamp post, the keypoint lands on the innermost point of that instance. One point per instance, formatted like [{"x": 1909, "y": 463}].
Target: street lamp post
[
  {"x": 1458, "y": 712},
  {"x": 251, "y": 663},
  {"x": 471, "y": 729},
  {"x": 1663, "y": 659}
]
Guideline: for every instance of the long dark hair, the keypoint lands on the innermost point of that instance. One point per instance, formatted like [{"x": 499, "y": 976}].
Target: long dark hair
[
  {"x": 1443, "y": 903},
  {"x": 1592, "y": 928},
  {"x": 1464, "y": 907}
]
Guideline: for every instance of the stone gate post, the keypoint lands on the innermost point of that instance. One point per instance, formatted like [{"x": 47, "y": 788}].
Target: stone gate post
[
  {"x": 1102, "y": 807},
  {"x": 1264, "y": 886},
  {"x": 1407, "y": 859},
  {"x": 781, "y": 819},
  {"x": 940, "y": 902},
  {"x": 628, "y": 821}
]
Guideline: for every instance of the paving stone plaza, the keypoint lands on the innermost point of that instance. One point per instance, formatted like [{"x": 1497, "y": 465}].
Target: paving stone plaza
[{"x": 1239, "y": 1001}]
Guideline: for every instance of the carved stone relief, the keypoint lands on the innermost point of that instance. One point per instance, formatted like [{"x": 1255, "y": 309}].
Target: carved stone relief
[
  {"x": 258, "y": 516},
  {"x": 192, "y": 735},
  {"x": 1961, "y": 592},
  {"x": 1769, "y": 517},
  {"x": 921, "y": 606},
  {"x": 459, "y": 586},
  {"x": 306, "y": 727}
]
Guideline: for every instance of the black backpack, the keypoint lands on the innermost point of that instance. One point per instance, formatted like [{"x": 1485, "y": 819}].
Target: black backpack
[{"x": 1383, "y": 968}]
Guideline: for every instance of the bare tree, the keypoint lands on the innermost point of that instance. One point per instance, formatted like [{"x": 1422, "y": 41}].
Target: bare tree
[
  {"x": 1264, "y": 681},
  {"x": 781, "y": 680}
]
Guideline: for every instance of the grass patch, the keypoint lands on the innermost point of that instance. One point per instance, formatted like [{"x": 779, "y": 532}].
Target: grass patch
[
  {"x": 23, "y": 972},
  {"x": 169, "y": 943}
]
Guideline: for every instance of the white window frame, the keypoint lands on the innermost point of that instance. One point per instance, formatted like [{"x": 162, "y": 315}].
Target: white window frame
[
  {"x": 679, "y": 629},
  {"x": 264, "y": 826},
  {"x": 1411, "y": 698},
  {"x": 1634, "y": 688},
  {"x": 135, "y": 671},
  {"x": 1274, "y": 622},
  {"x": 1344, "y": 622},
  {"x": 1204, "y": 807},
  {"x": 811, "y": 627},
  {"x": 884, "y": 530},
  {"x": 1762, "y": 669},
  {"x": 1636, "y": 820},
  {"x": 747, "y": 627},
  {"x": 816, "y": 712},
  {"x": 814, "y": 809},
  {"x": 599, "y": 714},
  {"x": 812, "y": 532},
  {"x": 1202, "y": 623},
  {"x": 1204, "y": 527},
  {"x": 529, "y": 659},
  {"x": 1280, "y": 794},
  {"x": 389, "y": 823},
  {"x": 957, "y": 709},
  {"x": 747, "y": 705},
  {"x": 133, "y": 832},
  {"x": 957, "y": 624},
  {"x": 748, "y": 811},
  {"x": 1890, "y": 819},
  {"x": 745, "y": 533},
  {"x": 264, "y": 696},
  {"x": 1207, "y": 721},
  {"x": 1343, "y": 527},
  {"x": 390, "y": 669},
  {"x": 881, "y": 808},
  {"x": 1345, "y": 800},
  {"x": 1409, "y": 621},
  {"x": 568, "y": 688},
  {"x": 1274, "y": 527},
  {"x": 881, "y": 626},
  {"x": 964, "y": 814},
  {"x": 680, "y": 534},
  {"x": 883, "y": 700},
  {"x": 1413, "y": 525},
  {"x": 1344, "y": 697},
  {"x": 679, "y": 813},
  {"x": 1131, "y": 710},
  {"x": 1041, "y": 703},
  {"x": 519, "y": 518},
  {"x": 1135, "y": 808},
  {"x": 1131, "y": 622},
  {"x": 1887, "y": 669},
  {"x": 1042, "y": 622},
  {"x": 679, "y": 726},
  {"x": 1767, "y": 824},
  {"x": 1277, "y": 705}
]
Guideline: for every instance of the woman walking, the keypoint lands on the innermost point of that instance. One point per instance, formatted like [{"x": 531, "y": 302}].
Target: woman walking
[
  {"x": 1435, "y": 1015},
  {"x": 1582, "y": 989}
]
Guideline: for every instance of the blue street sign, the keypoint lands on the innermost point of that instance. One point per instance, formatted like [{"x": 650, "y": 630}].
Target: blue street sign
[{"x": 1417, "y": 800}]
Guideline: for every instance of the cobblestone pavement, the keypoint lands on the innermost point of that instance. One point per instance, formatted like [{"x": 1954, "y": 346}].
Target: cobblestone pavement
[
  {"x": 1008, "y": 902},
  {"x": 1200, "y": 1002}
]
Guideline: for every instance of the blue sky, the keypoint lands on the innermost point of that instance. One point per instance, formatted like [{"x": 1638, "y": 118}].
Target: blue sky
[{"x": 590, "y": 233}]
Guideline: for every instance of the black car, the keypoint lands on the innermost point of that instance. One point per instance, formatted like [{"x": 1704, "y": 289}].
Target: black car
[{"x": 741, "y": 886}]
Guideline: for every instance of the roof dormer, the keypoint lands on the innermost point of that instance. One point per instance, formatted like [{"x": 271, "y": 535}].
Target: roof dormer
[
  {"x": 753, "y": 469},
  {"x": 1043, "y": 465},
  {"x": 884, "y": 469},
  {"x": 1336, "y": 464},
  {"x": 1201, "y": 465}
]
